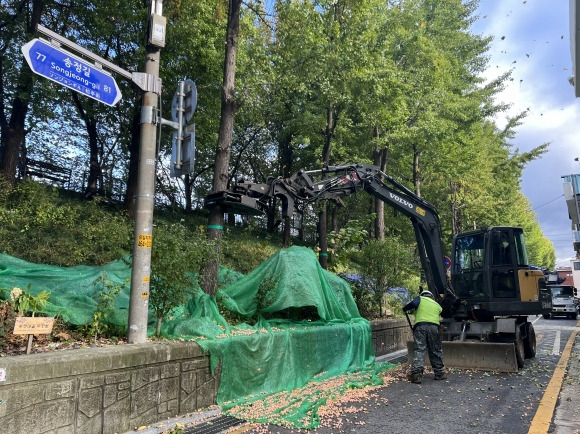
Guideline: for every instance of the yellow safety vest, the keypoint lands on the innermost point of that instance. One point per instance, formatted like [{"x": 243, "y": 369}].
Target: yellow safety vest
[{"x": 428, "y": 311}]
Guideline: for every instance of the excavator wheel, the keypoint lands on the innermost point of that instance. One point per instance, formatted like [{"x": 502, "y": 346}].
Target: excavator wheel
[
  {"x": 530, "y": 341},
  {"x": 518, "y": 341}
]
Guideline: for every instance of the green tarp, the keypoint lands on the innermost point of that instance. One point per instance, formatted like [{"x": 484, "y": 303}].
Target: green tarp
[{"x": 272, "y": 350}]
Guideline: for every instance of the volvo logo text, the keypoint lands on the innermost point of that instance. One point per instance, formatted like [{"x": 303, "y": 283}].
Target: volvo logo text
[{"x": 401, "y": 201}]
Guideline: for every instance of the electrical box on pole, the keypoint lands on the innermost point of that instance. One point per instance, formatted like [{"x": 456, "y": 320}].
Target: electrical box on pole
[{"x": 157, "y": 26}]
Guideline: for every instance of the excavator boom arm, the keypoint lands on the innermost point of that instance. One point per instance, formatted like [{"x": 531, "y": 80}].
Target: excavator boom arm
[{"x": 346, "y": 180}]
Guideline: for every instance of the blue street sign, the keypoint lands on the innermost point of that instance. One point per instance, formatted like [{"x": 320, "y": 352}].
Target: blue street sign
[{"x": 65, "y": 68}]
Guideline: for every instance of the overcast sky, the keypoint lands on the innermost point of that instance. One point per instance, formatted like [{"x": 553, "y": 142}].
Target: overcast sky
[{"x": 532, "y": 37}]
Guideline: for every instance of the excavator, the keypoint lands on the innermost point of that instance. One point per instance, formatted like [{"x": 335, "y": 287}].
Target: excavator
[{"x": 491, "y": 289}]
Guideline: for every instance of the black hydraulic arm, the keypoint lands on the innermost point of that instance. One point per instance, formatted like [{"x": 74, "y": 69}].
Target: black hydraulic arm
[
  {"x": 347, "y": 180},
  {"x": 422, "y": 214}
]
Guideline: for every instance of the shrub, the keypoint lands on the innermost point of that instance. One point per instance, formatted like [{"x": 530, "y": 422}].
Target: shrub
[
  {"x": 177, "y": 256},
  {"x": 386, "y": 263}
]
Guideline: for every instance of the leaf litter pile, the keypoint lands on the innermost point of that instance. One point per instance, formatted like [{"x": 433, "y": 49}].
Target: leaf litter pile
[{"x": 318, "y": 402}]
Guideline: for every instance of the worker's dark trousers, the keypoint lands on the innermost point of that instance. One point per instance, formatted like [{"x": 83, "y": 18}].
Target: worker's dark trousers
[{"x": 427, "y": 338}]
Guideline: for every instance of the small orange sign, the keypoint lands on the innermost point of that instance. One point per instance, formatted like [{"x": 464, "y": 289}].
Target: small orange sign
[{"x": 33, "y": 325}]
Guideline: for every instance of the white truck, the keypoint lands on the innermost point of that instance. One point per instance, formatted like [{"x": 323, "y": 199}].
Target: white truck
[{"x": 563, "y": 302}]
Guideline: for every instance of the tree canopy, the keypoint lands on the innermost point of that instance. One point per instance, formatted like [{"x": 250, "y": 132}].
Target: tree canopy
[{"x": 396, "y": 83}]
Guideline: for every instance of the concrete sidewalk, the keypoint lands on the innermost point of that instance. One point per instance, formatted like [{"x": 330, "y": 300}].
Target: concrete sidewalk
[{"x": 566, "y": 417}]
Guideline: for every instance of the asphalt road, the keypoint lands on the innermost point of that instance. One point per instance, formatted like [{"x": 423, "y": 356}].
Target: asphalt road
[{"x": 467, "y": 402}]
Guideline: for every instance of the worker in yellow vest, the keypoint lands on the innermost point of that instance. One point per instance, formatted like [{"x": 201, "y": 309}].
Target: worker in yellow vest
[{"x": 426, "y": 336}]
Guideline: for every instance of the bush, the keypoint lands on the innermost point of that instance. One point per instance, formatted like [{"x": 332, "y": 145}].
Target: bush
[
  {"x": 386, "y": 263},
  {"x": 176, "y": 259},
  {"x": 40, "y": 226}
]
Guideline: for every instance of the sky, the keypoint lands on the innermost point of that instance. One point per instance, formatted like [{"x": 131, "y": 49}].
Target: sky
[{"x": 532, "y": 38}]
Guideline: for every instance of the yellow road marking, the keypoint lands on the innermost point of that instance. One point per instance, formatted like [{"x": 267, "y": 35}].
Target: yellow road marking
[{"x": 543, "y": 417}]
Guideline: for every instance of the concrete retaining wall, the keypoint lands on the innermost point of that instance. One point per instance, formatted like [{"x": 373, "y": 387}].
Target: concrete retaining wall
[
  {"x": 114, "y": 389},
  {"x": 390, "y": 335},
  {"x": 103, "y": 390}
]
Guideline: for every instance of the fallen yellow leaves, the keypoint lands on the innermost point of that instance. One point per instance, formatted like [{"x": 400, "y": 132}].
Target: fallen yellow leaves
[{"x": 330, "y": 402}]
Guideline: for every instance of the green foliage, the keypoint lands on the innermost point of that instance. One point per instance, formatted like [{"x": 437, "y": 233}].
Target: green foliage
[
  {"x": 266, "y": 293},
  {"x": 347, "y": 241},
  {"x": 395, "y": 303},
  {"x": 386, "y": 264},
  {"x": 39, "y": 224},
  {"x": 176, "y": 258},
  {"x": 24, "y": 301},
  {"x": 7, "y": 318},
  {"x": 105, "y": 293},
  {"x": 362, "y": 292},
  {"x": 243, "y": 252}
]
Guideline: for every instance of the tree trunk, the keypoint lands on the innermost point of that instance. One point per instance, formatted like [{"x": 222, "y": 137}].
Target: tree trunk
[
  {"x": 13, "y": 140},
  {"x": 271, "y": 216},
  {"x": 322, "y": 236},
  {"x": 94, "y": 165},
  {"x": 335, "y": 219},
  {"x": 301, "y": 233},
  {"x": 456, "y": 213},
  {"x": 381, "y": 157},
  {"x": 188, "y": 184},
  {"x": 13, "y": 131},
  {"x": 286, "y": 234},
  {"x": 231, "y": 219},
  {"x": 416, "y": 177},
  {"x": 224, "y": 145},
  {"x": 286, "y": 170},
  {"x": 158, "y": 328},
  {"x": 323, "y": 214}
]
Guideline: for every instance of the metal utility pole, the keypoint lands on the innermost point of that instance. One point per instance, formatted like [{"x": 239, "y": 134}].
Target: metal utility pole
[{"x": 145, "y": 200}]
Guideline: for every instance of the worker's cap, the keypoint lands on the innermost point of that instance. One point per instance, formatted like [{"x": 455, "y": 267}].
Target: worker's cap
[{"x": 427, "y": 294}]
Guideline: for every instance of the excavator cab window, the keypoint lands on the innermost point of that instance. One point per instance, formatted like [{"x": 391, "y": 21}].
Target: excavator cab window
[
  {"x": 503, "y": 280},
  {"x": 469, "y": 252},
  {"x": 521, "y": 251},
  {"x": 501, "y": 252},
  {"x": 468, "y": 274}
]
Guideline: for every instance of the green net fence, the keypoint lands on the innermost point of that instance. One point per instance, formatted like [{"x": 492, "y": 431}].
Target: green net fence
[{"x": 298, "y": 321}]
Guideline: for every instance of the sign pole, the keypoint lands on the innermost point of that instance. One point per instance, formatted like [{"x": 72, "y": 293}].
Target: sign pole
[{"x": 145, "y": 200}]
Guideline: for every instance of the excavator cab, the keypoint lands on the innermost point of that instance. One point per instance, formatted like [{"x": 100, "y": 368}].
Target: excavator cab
[
  {"x": 492, "y": 277},
  {"x": 495, "y": 290}
]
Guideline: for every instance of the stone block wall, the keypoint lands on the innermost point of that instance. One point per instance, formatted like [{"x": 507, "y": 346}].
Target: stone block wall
[
  {"x": 104, "y": 390},
  {"x": 390, "y": 335}
]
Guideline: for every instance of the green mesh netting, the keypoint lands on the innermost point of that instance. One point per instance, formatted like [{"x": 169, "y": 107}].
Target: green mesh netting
[
  {"x": 71, "y": 288},
  {"x": 275, "y": 349}
]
